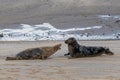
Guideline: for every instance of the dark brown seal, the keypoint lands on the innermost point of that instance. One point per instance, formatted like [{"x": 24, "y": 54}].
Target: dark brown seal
[{"x": 75, "y": 50}]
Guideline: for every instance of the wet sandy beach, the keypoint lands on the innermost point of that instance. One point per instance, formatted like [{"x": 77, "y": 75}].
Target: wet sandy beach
[{"x": 58, "y": 67}]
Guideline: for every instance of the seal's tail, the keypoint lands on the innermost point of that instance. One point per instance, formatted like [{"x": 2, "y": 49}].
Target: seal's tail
[
  {"x": 108, "y": 52},
  {"x": 11, "y": 58}
]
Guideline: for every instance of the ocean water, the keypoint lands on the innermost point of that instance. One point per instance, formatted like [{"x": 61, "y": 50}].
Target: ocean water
[
  {"x": 109, "y": 16},
  {"x": 46, "y": 31}
]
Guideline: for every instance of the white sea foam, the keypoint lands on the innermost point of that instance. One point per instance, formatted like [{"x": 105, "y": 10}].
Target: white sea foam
[
  {"x": 46, "y": 31},
  {"x": 106, "y": 17}
]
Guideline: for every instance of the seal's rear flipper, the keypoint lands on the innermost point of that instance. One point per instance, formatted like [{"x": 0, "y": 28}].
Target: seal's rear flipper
[
  {"x": 10, "y": 58},
  {"x": 108, "y": 52}
]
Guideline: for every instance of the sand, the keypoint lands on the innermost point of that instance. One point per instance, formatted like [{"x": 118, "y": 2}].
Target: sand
[{"x": 57, "y": 66}]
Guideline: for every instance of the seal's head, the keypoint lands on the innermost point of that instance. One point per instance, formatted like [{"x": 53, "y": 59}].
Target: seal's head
[
  {"x": 71, "y": 40},
  {"x": 57, "y": 47}
]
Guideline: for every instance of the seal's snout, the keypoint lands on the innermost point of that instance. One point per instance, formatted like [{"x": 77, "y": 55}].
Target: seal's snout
[
  {"x": 60, "y": 46},
  {"x": 66, "y": 41}
]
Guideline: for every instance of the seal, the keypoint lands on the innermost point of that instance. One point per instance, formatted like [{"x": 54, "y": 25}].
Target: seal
[
  {"x": 36, "y": 53},
  {"x": 76, "y": 50}
]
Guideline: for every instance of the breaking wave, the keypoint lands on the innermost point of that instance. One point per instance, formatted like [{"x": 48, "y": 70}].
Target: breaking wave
[{"x": 46, "y": 31}]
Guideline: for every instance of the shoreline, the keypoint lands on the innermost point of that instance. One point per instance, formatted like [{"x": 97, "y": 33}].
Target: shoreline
[{"x": 62, "y": 40}]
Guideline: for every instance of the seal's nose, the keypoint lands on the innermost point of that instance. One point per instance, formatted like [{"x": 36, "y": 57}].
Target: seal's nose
[
  {"x": 60, "y": 46},
  {"x": 66, "y": 41}
]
